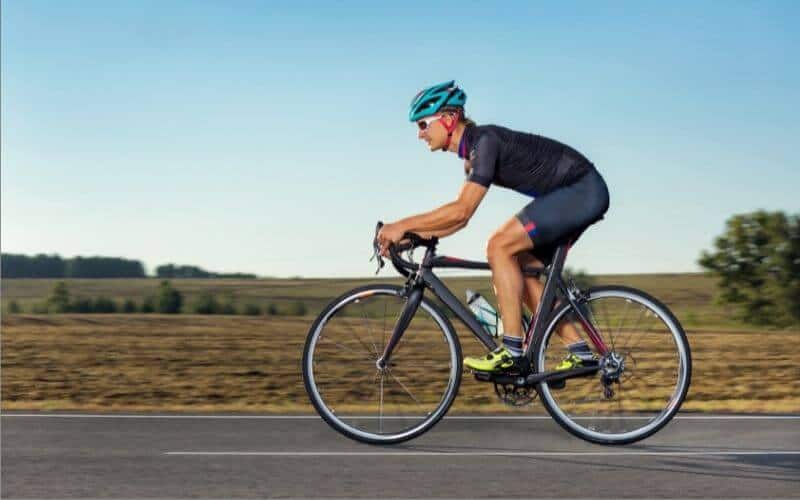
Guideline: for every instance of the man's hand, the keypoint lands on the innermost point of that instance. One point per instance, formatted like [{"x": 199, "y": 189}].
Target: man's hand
[{"x": 389, "y": 233}]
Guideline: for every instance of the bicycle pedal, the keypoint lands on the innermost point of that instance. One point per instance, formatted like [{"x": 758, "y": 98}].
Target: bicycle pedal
[{"x": 483, "y": 376}]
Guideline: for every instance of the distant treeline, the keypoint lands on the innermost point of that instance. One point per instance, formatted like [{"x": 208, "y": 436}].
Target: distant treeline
[
  {"x": 173, "y": 271},
  {"x": 166, "y": 300},
  {"x": 53, "y": 266}
]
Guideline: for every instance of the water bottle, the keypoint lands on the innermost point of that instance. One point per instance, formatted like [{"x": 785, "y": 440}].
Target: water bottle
[{"x": 486, "y": 314}]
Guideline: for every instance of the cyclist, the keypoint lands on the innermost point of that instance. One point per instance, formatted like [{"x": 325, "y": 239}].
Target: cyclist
[{"x": 569, "y": 195}]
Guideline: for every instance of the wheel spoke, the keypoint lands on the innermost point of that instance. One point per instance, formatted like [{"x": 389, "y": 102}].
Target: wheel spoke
[
  {"x": 383, "y": 330},
  {"x": 397, "y": 402},
  {"x": 622, "y": 318},
  {"x": 342, "y": 346},
  {"x": 653, "y": 351},
  {"x": 369, "y": 329},
  {"x": 403, "y": 386},
  {"x": 380, "y": 419},
  {"x": 642, "y": 314},
  {"x": 364, "y": 345},
  {"x": 610, "y": 327}
]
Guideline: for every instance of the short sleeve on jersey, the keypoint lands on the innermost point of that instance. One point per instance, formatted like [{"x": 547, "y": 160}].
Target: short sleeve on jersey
[{"x": 483, "y": 159}]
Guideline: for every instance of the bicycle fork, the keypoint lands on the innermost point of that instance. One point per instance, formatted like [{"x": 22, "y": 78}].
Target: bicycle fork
[{"x": 412, "y": 304}]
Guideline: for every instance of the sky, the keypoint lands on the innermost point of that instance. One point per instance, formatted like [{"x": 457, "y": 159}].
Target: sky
[{"x": 269, "y": 137}]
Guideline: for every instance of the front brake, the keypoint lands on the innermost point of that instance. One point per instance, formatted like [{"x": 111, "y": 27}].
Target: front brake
[{"x": 376, "y": 248}]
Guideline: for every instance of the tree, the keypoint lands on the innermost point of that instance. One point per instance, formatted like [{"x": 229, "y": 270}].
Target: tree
[
  {"x": 58, "y": 301},
  {"x": 81, "y": 305},
  {"x": 757, "y": 260},
  {"x": 169, "y": 300},
  {"x": 14, "y": 308},
  {"x": 228, "y": 304},
  {"x": 252, "y": 310},
  {"x": 298, "y": 308},
  {"x": 129, "y": 306},
  {"x": 149, "y": 304},
  {"x": 206, "y": 303},
  {"x": 104, "y": 305},
  {"x": 39, "y": 266}
]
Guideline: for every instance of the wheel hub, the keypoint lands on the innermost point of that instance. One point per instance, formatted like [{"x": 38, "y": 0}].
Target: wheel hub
[{"x": 612, "y": 366}]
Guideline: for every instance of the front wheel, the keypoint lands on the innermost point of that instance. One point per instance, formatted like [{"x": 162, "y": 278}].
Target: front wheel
[
  {"x": 362, "y": 401},
  {"x": 642, "y": 381}
]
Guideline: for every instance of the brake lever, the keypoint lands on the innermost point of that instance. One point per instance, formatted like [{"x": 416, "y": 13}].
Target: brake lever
[
  {"x": 377, "y": 255},
  {"x": 376, "y": 249}
]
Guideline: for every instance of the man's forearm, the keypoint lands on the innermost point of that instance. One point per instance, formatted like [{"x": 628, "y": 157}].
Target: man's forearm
[
  {"x": 441, "y": 233},
  {"x": 444, "y": 218}
]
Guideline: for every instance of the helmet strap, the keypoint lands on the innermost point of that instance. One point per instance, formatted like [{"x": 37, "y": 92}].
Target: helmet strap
[{"x": 451, "y": 129}]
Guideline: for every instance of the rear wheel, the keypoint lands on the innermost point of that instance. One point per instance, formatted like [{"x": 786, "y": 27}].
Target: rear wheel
[
  {"x": 360, "y": 400},
  {"x": 641, "y": 383}
]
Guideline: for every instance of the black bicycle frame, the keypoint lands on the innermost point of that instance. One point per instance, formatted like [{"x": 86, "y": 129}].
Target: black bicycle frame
[{"x": 421, "y": 276}]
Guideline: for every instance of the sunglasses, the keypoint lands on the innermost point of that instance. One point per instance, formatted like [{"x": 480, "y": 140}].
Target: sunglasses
[{"x": 424, "y": 123}]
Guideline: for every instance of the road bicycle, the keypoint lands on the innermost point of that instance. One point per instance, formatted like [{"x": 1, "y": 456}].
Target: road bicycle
[{"x": 382, "y": 363}]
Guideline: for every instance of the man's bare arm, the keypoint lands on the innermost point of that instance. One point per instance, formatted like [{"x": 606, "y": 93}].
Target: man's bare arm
[{"x": 450, "y": 217}]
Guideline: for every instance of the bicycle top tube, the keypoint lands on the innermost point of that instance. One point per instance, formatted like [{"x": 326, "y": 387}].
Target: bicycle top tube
[{"x": 404, "y": 266}]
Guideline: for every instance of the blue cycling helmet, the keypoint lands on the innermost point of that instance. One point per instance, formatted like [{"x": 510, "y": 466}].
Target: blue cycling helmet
[{"x": 430, "y": 100}]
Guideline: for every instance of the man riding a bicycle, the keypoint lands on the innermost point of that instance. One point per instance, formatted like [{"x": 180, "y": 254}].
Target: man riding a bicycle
[{"x": 569, "y": 195}]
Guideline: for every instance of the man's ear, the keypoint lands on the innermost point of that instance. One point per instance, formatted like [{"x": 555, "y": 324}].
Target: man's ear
[{"x": 450, "y": 118}]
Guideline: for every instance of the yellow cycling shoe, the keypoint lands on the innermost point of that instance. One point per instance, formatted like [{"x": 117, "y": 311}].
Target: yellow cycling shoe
[
  {"x": 573, "y": 361},
  {"x": 496, "y": 361}
]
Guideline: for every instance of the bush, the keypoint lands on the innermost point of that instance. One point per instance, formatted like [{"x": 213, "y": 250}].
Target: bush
[
  {"x": 252, "y": 310},
  {"x": 228, "y": 306},
  {"x": 149, "y": 304},
  {"x": 82, "y": 305},
  {"x": 169, "y": 300},
  {"x": 272, "y": 310},
  {"x": 129, "y": 306},
  {"x": 757, "y": 259},
  {"x": 104, "y": 305},
  {"x": 297, "y": 308},
  {"x": 206, "y": 303},
  {"x": 58, "y": 302},
  {"x": 14, "y": 308},
  {"x": 580, "y": 277},
  {"x": 40, "y": 308}
]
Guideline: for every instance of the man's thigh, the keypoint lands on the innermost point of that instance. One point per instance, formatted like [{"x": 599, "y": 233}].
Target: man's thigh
[{"x": 511, "y": 238}]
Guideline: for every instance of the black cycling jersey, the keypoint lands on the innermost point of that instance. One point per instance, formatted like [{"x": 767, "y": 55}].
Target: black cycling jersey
[{"x": 527, "y": 163}]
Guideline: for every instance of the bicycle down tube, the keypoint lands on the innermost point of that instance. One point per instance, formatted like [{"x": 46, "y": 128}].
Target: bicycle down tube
[{"x": 422, "y": 276}]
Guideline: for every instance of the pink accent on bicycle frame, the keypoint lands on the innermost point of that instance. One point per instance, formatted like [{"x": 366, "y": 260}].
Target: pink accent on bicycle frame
[{"x": 594, "y": 336}]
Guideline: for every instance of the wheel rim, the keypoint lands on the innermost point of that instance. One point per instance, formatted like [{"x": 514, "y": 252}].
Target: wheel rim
[
  {"x": 351, "y": 392},
  {"x": 651, "y": 384}
]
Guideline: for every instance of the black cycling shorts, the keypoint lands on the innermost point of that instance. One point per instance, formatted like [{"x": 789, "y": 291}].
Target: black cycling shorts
[{"x": 561, "y": 215}]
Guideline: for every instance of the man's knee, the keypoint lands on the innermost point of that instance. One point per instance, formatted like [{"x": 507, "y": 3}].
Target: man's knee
[{"x": 499, "y": 246}]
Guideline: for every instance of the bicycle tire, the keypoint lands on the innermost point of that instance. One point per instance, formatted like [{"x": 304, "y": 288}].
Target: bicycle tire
[
  {"x": 572, "y": 424},
  {"x": 331, "y": 417}
]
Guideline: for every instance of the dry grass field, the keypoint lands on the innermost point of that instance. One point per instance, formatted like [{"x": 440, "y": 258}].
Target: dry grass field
[{"x": 252, "y": 364}]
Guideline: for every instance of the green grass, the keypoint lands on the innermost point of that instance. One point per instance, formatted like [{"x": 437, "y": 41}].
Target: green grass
[{"x": 689, "y": 295}]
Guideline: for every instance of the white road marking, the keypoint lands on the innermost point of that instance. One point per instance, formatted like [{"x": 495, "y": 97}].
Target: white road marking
[
  {"x": 476, "y": 453},
  {"x": 454, "y": 417}
]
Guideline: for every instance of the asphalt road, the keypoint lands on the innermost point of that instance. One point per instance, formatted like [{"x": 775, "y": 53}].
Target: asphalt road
[{"x": 229, "y": 456}]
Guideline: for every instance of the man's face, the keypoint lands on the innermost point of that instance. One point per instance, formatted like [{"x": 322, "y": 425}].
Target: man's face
[{"x": 433, "y": 131}]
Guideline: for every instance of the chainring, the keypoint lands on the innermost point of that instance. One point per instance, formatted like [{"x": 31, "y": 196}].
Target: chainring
[{"x": 514, "y": 396}]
